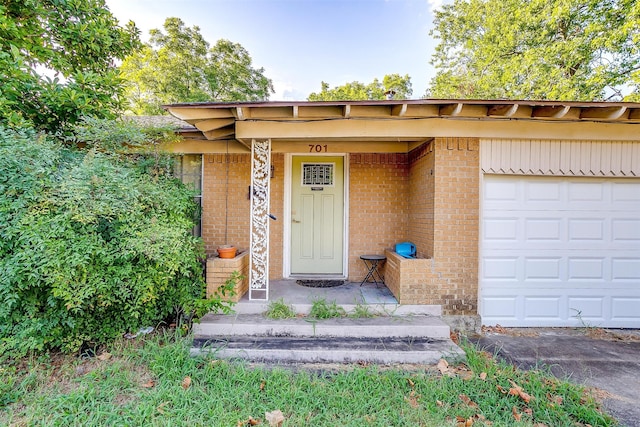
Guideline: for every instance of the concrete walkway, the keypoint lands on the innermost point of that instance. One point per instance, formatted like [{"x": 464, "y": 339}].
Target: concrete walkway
[{"x": 608, "y": 360}]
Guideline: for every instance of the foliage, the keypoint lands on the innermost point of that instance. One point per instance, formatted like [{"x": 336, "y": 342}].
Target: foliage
[
  {"x": 144, "y": 383},
  {"x": 91, "y": 245},
  {"x": 355, "y": 91},
  {"x": 78, "y": 42},
  {"x": 278, "y": 309},
  {"x": 362, "y": 311},
  {"x": 559, "y": 50},
  {"x": 178, "y": 66},
  {"x": 321, "y": 309}
]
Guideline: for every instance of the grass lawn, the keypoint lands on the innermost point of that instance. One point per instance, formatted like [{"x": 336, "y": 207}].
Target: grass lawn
[{"x": 154, "y": 382}]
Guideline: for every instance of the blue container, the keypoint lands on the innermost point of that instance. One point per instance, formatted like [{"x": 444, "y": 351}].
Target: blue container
[{"x": 406, "y": 249}]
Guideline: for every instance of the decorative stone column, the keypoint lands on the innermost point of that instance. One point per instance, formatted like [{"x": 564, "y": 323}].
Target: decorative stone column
[{"x": 259, "y": 248}]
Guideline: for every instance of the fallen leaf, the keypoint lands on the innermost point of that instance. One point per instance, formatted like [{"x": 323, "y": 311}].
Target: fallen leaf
[
  {"x": 554, "y": 399},
  {"x": 411, "y": 383},
  {"x": 464, "y": 373},
  {"x": 468, "y": 401},
  {"x": 262, "y": 384},
  {"x": 443, "y": 367},
  {"x": 104, "y": 356},
  {"x": 254, "y": 422},
  {"x": 274, "y": 418},
  {"x": 148, "y": 384},
  {"x": 464, "y": 422},
  {"x": 501, "y": 389},
  {"x": 439, "y": 403},
  {"x": 483, "y": 376},
  {"x": 454, "y": 337},
  {"x": 413, "y": 399},
  {"x": 528, "y": 411},
  {"x": 516, "y": 390},
  {"x": 161, "y": 406},
  {"x": 515, "y": 413},
  {"x": 186, "y": 382}
]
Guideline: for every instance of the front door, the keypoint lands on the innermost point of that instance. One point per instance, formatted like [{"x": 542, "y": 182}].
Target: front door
[{"x": 317, "y": 215}]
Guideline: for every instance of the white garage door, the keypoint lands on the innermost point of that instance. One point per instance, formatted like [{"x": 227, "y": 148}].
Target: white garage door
[{"x": 559, "y": 251}]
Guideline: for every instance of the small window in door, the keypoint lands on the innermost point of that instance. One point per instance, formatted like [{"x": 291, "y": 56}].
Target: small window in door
[{"x": 317, "y": 174}]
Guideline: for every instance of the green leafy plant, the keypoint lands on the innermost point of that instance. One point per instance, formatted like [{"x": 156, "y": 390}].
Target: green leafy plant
[
  {"x": 362, "y": 311},
  {"x": 321, "y": 309},
  {"x": 279, "y": 310},
  {"x": 92, "y": 245}
]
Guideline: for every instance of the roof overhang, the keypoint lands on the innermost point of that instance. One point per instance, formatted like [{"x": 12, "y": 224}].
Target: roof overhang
[{"x": 406, "y": 121}]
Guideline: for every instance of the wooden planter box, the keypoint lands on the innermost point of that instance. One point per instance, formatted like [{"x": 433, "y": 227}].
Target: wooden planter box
[{"x": 219, "y": 270}]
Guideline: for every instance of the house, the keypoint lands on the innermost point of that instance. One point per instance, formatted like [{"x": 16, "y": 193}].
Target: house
[{"x": 526, "y": 213}]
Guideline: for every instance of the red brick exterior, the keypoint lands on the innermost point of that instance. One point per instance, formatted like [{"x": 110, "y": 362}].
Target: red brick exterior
[
  {"x": 378, "y": 193},
  {"x": 429, "y": 196}
]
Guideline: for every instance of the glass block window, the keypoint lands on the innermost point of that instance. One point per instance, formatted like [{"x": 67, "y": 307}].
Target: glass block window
[{"x": 316, "y": 174}]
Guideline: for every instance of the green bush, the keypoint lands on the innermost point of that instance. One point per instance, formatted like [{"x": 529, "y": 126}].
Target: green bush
[{"x": 91, "y": 246}]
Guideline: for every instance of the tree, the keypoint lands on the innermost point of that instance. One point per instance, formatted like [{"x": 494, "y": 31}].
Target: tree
[
  {"x": 78, "y": 42},
  {"x": 354, "y": 91},
  {"x": 93, "y": 242},
  {"x": 542, "y": 49},
  {"x": 177, "y": 65}
]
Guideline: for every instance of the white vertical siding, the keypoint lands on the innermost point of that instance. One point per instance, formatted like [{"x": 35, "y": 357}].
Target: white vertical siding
[{"x": 560, "y": 158}]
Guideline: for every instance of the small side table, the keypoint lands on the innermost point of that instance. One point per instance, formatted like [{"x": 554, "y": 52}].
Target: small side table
[{"x": 372, "y": 262}]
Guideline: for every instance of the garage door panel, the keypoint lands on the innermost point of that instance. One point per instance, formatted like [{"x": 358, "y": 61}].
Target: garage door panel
[
  {"x": 625, "y": 309},
  {"x": 540, "y": 306},
  {"x": 626, "y": 194},
  {"x": 560, "y": 251},
  {"x": 623, "y": 269},
  {"x": 626, "y": 230}
]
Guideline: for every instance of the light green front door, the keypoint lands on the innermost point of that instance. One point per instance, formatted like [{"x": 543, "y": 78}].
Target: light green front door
[{"x": 317, "y": 215}]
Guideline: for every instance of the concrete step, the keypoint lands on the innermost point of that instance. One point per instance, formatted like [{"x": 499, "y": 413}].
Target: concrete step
[
  {"x": 385, "y": 339},
  {"x": 385, "y": 309},
  {"x": 376, "y": 327},
  {"x": 328, "y": 349}
]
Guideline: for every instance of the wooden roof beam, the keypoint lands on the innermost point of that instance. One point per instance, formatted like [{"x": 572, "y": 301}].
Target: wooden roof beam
[
  {"x": 220, "y": 133},
  {"x": 634, "y": 113},
  {"x": 211, "y": 124},
  {"x": 347, "y": 111},
  {"x": 189, "y": 114},
  {"x": 603, "y": 113},
  {"x": 399, "y": 110},
  {"x": 502, "y": 110},
  {"x": 242, "y": 113},
  {"x": 550, "y": 112},
  {"x": 451, "y": 109}
]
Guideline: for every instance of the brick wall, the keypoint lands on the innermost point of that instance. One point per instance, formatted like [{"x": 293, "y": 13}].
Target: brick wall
[
  {"x": 456, "y": 228},
  {"x": 429, "y": 196},
  {"x": 444, "y": 222},
  {"x": 421, "y": 192},
  {"x": 276, "y": 228},
  {"x": 219, "y": 270},
  {"x": 378, "y": 206},
  {"x": 238, "y": 220},
  {"x": 214, "y": 199}
]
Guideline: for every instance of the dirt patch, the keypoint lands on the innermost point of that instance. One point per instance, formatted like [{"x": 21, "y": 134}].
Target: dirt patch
[{"x": 623, "y": 335}]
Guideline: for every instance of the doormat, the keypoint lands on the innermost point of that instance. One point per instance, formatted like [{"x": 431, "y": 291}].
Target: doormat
[{"x": 320, "y": 283}]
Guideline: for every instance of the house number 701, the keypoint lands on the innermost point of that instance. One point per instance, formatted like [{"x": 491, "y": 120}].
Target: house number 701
[{"x": 317, "y": 148}]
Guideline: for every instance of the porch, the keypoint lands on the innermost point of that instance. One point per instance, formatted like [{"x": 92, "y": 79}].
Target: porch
[{"x": 394, "y": 334}]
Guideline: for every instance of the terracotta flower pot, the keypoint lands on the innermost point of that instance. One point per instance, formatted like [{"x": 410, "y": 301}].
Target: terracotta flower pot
[{"x": 227, "y": 251}]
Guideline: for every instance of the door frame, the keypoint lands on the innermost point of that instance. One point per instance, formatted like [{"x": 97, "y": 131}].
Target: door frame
[{"x": 286, "y": 244}]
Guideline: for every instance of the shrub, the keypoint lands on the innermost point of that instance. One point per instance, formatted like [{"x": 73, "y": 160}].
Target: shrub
[{"x": 91, "y": 246}]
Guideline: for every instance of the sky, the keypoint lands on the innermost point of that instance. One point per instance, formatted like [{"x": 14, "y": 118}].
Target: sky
[{"x": 301, "y": 43}]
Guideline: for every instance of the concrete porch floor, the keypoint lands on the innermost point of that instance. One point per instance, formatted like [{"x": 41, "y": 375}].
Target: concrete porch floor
[
  {"x": 379, "y": 297},
  {"x": 349, "y": 293}
]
